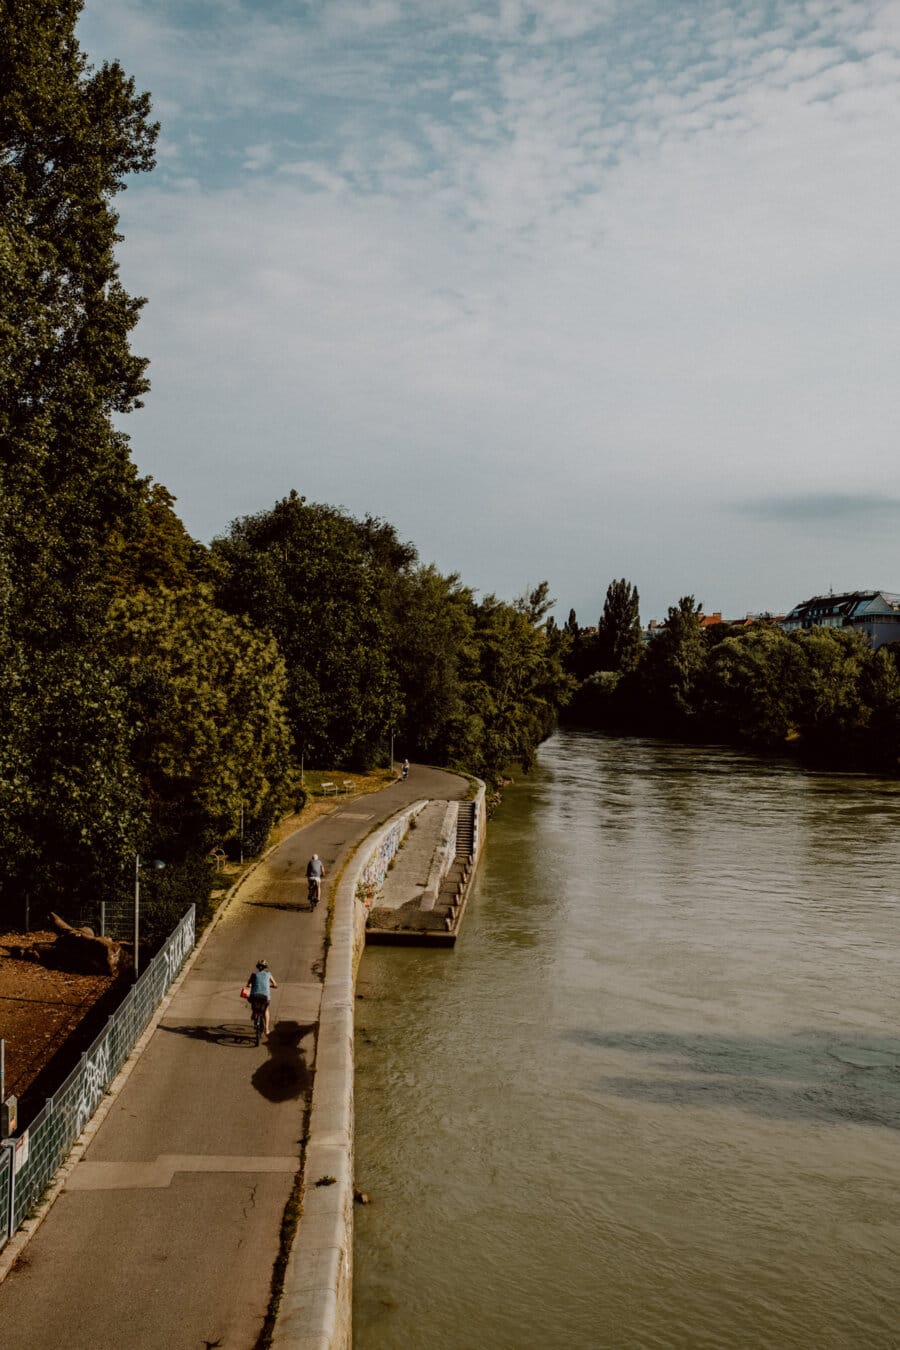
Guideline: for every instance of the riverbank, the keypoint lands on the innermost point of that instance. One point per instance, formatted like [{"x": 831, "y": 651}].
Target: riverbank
[
  {"x": 198, "y": 1156},
  {"x": 315, "y": 1304}
]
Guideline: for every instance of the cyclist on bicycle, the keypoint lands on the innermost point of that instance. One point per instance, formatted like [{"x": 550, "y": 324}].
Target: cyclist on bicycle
[
  {"x": 315, "y": 871},
  {"x": 261, "y": 983}
]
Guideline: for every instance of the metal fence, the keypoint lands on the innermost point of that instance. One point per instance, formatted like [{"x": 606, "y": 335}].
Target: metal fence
[{"x": 30, "y": 1159}]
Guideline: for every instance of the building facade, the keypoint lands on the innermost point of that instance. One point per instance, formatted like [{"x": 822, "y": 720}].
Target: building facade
[{"x": 875, "y": 613}]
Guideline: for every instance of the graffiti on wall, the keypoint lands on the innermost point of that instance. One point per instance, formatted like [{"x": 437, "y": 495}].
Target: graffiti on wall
[
  {"x": 375, "y": 870},
  {"x": 95, "y": 1078},
  {"x": 180, "y": 945}
]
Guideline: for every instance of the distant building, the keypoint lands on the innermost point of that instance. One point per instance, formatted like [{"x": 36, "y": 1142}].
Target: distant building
[
  {"x": 656, "y": 626},
  {"x": 875, "y": 613}
]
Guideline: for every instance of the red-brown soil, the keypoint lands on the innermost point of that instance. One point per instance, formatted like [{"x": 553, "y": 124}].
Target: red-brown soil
[{"x": 41, "y": 1010}]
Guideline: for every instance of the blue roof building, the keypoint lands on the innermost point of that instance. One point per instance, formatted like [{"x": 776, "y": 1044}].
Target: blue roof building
[{"x": 875, "y": 613}]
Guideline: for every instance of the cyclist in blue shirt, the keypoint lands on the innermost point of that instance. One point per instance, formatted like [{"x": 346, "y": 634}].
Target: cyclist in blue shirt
[{"x": 261, "y": 983}]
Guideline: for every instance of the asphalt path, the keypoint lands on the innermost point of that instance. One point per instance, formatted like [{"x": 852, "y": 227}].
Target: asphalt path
[{"x": 166, "y": 1232}]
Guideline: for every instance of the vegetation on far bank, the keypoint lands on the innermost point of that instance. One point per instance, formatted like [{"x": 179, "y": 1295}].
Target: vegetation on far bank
[{"x": 823, "y": 694}]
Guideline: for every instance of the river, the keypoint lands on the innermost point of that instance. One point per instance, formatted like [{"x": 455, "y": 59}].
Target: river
[{"x": 652, "y": 1097}]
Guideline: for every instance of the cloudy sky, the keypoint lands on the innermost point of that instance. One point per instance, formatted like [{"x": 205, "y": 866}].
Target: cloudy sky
[{"x": 574, "y": 289}]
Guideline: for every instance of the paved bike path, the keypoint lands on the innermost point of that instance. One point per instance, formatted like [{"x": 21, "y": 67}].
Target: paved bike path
[{"x": 165, "y": 1234}]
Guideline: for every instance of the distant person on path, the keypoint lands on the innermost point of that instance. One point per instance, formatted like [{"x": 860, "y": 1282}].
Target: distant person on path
[
  {"x": 261, "y": 983},
  {"x": 405, "y": 770},
  {"x": 315, "y": 871}
]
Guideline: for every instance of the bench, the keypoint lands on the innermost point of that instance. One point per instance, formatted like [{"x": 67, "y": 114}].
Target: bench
[
  {"x": 348, "y": 784},
  {"x": 325, "y": 788}
]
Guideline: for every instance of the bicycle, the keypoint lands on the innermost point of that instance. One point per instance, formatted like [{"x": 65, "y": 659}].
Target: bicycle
[
  {"x": 258, "y": 1014},
  {"x": 312, "y": 891}
]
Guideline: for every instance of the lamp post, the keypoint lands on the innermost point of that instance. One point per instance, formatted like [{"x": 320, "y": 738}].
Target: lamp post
[
  {"x": 157, "y": 865},
  {"x": 137, "y": 912}
]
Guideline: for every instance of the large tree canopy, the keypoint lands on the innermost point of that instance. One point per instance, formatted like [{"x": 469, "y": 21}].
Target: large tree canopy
[
  {"x": 434, "y": 655},
  {"x": 206, "y": 700},
  {"x": 306, "y": 574},
  {"x": 619, "y": 638},
  {"x": 69, "y": 135}
]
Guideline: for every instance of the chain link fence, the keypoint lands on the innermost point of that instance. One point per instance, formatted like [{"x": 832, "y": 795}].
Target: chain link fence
[{"x": 30, "y": 1159}]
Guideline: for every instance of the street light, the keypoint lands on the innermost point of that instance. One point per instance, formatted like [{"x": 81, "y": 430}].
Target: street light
[{"x": 157, "y": 864}]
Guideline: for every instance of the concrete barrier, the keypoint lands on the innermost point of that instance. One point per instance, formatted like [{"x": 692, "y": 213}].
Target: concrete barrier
[
  {"x": 315, "y": 1311},
  {"x": 443, "y": 857}
]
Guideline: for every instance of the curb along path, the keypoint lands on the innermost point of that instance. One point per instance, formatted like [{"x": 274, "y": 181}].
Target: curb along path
[{"x": 165, "y": 1233}]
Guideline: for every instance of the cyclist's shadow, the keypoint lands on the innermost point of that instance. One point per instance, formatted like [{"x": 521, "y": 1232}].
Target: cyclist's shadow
[
  {"x": 223, "y": 1033},
  {"x": 285, "y": 1074}
]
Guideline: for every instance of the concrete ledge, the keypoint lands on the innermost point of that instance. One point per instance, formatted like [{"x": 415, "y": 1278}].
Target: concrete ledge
[
  {"x": 443, "y": 856},
  {"x": 315, "y": 1311}
]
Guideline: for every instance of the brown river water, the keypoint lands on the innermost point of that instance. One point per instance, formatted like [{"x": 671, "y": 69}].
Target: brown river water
[{"x": 652, "y": 1098}]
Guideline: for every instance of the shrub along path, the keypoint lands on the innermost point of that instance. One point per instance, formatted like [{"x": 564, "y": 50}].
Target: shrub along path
[{"x": 166, "y": 1232}]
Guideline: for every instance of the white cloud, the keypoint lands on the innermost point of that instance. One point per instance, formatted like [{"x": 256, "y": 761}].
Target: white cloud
[
  {"x": 258, "y": 157},
  {"x": 616, "y": 281}
]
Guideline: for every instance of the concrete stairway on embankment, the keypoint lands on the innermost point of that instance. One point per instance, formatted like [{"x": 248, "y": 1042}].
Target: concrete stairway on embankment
[{"x": 451, "y": 896}]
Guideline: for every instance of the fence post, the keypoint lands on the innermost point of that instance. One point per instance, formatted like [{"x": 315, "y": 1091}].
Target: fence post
[{"x": 11, "y": 1155}]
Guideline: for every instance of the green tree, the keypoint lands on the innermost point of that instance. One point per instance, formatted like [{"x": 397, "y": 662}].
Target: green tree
[
  {"x": 619, "y": 637},
  {"x": 157, "y": 549},
  {"x": 302, "y": 573},
  {"x": 206, "y": 695},
  {"x": 434, "y": 655},
  {"x": 69, "y": 136},
  {"x": 754, "y": 688},
  {"x": 581, "y": 652},
  {"x": 673, "y": 668},
  {"x": 521, "y": 682},
  {"x": 833, "y": 713},
  {"x": 881, "y": 691},
  {"x": 70, "y": 801}
]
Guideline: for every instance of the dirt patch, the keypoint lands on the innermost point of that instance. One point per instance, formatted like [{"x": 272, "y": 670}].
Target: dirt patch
[{"x": 42, "y": 1013}]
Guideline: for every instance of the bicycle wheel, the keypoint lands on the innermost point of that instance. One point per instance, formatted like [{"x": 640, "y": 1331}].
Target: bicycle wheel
[{"x": 258, "y": 1026}]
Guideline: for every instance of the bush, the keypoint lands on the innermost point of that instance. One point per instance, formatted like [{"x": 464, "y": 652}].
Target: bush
[{"x": 166, "y": 894}]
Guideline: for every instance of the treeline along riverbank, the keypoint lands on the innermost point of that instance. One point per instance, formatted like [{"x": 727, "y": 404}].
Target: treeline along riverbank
[
  {"x": 823, "y": 694},
  {"x": 157, "y": 695}
]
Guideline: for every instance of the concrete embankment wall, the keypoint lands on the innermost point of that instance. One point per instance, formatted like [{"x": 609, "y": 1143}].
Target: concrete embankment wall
[
  {"x": 480, "y": 818},
  {"x": 315, "y": 1312},
  {"x": 316, "y": 1308}
]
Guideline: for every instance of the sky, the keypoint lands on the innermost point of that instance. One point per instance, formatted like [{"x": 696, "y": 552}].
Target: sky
[{"x": 564, "y": 289}]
